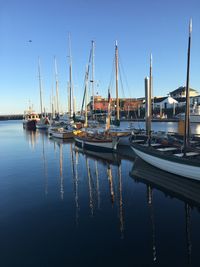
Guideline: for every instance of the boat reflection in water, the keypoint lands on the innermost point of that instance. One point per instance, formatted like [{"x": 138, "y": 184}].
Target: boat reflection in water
[
  {"x": 104, "y": 157},
  {"x": 89, "y": 171},
  {"x": 61, "y": 171},
  {"x": 94, "y": 161},
  {"x": 59, "y": 144},
  {"x": 31, "y": 137},
  {"x": 185, "y": 190},
  {"x": 45, "y": 167},
  {"x": 77, "y": 207},
  {"x": 174, "y": 185}
]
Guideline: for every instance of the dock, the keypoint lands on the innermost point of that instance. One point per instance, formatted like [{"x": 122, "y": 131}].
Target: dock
[{"x": 11, "y": 117}]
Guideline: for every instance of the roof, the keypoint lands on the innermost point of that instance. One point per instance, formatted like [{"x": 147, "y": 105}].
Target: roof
[
  {"x": 158, "y": 100},
  {"x": 181, "y": 89},
  {"x": 180, "y": 99}
]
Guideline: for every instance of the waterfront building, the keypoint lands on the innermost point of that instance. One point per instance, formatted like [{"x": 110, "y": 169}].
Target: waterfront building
[
  {"x": 181, "y": 92},
  {"x": 125, "y": 104},
  {"x": 165, "y": 102},
  {"x": 171, "y": 104}
]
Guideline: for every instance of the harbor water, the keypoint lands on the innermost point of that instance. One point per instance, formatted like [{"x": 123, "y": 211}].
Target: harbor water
[{"x": 60, "y": 206}]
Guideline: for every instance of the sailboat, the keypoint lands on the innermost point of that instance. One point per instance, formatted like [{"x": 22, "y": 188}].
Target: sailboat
[
  {"x": 65, "y": 131},
  {"x": 44, "y": 122},
  {"x": 90, "y": 123},
  {"x": 95, "y": 139},
  {"x": 115, "y": 131},
  {"x": 100, "y": 141},
  {"x": 183, "y": 161}
]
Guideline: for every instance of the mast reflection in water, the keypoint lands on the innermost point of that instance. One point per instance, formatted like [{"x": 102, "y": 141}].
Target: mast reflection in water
[
  {"x": 62, "y": 206},
  {"x": 188, "y": 191}
]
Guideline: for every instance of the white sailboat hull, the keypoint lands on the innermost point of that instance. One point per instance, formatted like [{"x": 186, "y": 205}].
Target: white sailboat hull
[
  {"x": 62, "y": 135},
  {"x": 188, "y": 171}
]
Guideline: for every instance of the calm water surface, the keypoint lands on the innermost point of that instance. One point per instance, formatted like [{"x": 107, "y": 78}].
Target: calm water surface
[{"x": 61, "y": 207}]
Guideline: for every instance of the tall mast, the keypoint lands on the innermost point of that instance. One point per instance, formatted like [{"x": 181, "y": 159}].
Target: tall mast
[
  {"x": 187, "y": 107},
  {"x": 86, "y": 98},
  {"x": 116, "y": 73},
  {"x": 70, "y": 78},
  {"x": 108, "y": 117},
  {"x": 148, "y": 107},
  {"x": 151, "y": 79},
  {"x": 52, "y": 105},
  {"x": 68, "y": 100},
  {"x": 40, "y": 86},
  {"x": 57, "y": 93},
  {"x": 93, "y": 78}
]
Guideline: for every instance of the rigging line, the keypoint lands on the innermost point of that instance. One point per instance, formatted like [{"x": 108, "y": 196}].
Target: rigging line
[
  {"x": 136, "y": 117},
  {"x": 124, "y": 74},
  {"x": 85, "y": 79},
  {"x": 122, "y": 87},
  {"x": 112, "y": 78},
  {"x": 83, "y": 100},
  {"x": 85, "y": 85},
  {"x": 89, "y": 90},
  {"x": 121, "y": 70}
]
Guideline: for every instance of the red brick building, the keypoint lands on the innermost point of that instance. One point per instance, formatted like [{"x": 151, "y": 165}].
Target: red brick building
[{"x": 126, "y": 104}]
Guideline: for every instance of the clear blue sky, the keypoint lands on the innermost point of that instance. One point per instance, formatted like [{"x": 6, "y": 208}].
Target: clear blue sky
[{"x": 141, "y": 27}]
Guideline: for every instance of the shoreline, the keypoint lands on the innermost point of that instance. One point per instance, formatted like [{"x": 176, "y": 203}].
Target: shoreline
[
  {"x": 154, "y": 120},
  {"x": 11, "y": 117},
  {"x": 20, "y": 117}
]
